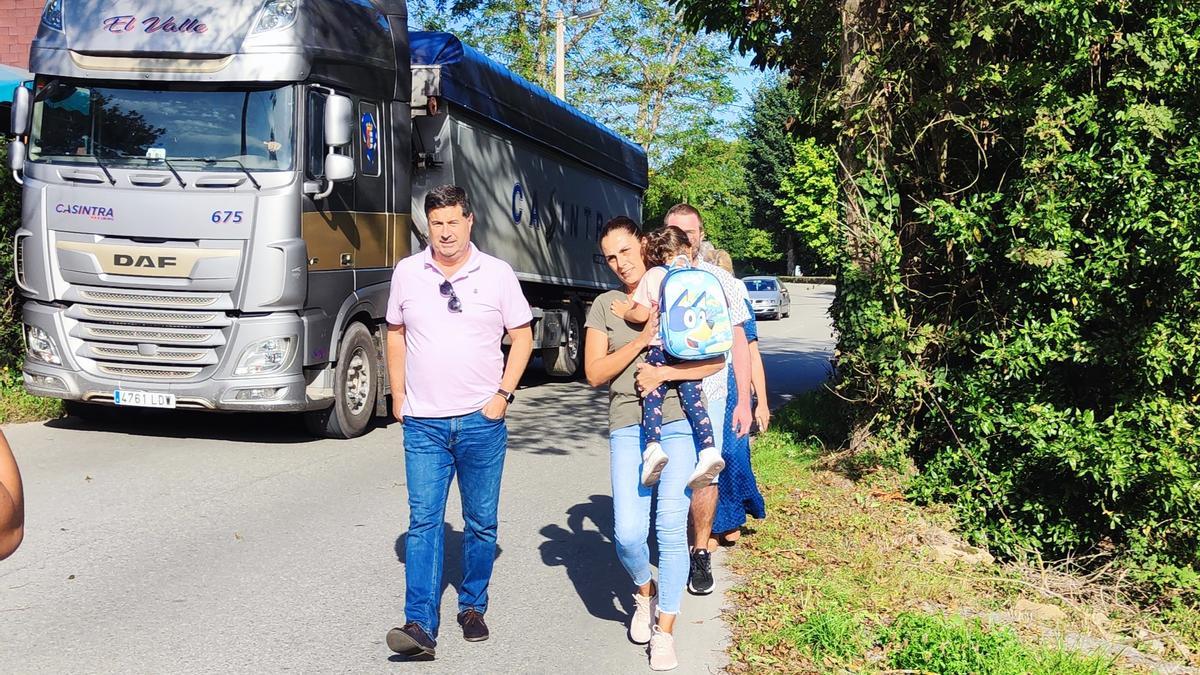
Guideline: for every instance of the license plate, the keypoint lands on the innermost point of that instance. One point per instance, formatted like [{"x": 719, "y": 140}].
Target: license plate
[{"x": 144, "y": 399}]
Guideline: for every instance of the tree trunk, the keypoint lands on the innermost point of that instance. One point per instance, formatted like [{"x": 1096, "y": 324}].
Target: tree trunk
[
  {"x": 861, "y": 147},
  {"x": 790, "y": 248}
]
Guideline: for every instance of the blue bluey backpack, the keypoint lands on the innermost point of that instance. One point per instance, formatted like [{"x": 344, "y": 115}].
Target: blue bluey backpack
[{"x": 694, "y": 322}]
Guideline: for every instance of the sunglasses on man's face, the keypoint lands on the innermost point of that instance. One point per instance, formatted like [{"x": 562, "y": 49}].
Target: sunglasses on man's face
[{"x": 447, "y": 289}]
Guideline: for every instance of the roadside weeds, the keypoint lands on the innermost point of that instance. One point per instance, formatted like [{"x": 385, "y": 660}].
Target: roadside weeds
[
  {"x": 18, "y": 405},
  {"x": 846, "y": 575}
]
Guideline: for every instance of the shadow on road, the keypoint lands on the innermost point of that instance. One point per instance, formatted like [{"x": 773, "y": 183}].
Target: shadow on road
[
  {"x": 567, "y": 415},
  {"x": 802, "y": 369},
  {"x": 221, "y": 426},
  {"x": 590, "y": 559}
]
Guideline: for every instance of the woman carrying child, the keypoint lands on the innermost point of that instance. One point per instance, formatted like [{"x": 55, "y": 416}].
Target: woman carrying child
[
  {"x": 613, "y": 351},
  {"x": 662, "y": 248}
]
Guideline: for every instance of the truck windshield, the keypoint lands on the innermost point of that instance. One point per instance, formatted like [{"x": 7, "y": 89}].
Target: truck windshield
[{"x": 79, "y": 121}]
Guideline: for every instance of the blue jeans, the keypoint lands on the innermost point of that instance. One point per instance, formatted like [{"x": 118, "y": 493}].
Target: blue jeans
[
  {"x": 435, "y": 448},
  {"x": 631, "y": 508}
]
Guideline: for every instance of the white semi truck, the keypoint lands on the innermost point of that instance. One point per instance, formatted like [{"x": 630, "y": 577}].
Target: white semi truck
[{"x": 214, "y": 195}]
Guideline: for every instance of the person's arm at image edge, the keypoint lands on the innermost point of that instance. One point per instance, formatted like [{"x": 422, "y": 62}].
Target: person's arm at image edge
[{"x": 12, "y": 502}]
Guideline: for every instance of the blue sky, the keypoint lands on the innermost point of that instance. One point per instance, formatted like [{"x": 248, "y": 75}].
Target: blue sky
[{"x": 746, "y": 80}]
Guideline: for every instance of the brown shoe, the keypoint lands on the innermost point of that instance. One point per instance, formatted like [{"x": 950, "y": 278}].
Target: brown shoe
[
  {"x": 411, "y": 641},
  {"x": 474, "y": 629}
]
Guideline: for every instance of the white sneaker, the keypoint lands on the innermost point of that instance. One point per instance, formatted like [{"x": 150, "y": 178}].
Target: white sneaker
[
  {"x": 644, "y": 609},
  {"x": 708, "y": 465},
  {"x": 654, "y": 460},
  {"x": 662, "y": 650}
]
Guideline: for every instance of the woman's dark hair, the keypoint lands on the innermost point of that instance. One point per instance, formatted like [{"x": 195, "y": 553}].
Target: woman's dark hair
[
  {"x": 447, "y": 195},
  {"x": 663, "y": 245},
  {"x": 620, "y": 223}
]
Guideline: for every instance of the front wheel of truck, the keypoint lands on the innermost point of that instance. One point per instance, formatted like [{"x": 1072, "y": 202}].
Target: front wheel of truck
[{"x": 355, "y": 386}]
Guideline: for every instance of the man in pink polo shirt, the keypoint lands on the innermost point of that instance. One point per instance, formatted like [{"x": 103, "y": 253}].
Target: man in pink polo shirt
[{"x": 450, "y": 307}]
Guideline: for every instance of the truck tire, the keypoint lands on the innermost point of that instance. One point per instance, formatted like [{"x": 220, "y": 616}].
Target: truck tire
[
  {"x": 566, "y": 360},
  {"x": 355, "y": 386}
]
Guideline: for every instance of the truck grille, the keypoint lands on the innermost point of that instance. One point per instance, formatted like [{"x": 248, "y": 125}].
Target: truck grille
[
  {"x": 144, "y": 316},
  {"x": 146, "y": 373},
  {"x": 144, "y": 334},
  {"x": 150, "y": 299},
  {"x": 160, "y": 345},
  {"x": 123, "y": 352}
]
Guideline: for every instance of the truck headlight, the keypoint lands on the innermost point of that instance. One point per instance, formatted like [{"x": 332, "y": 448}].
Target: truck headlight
[
  {"x": 39, "y": 346},
  {"x": 264, "y": 356},
  {"x": 52, "y": 15},
  {"x": 276, "y": 14}
]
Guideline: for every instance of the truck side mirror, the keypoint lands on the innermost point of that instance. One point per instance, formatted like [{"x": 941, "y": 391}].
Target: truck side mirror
[
  {"x": 16, "y": 156},
  {"x": 339, "y": 119},
  {"x": 338, "y": 168},
  {"x": 19, "y": 117}
]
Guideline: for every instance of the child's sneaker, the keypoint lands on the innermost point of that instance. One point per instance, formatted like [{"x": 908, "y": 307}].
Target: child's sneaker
[
  {"x": 654, "y": 460},
  {"x": 708, "y": 465}
]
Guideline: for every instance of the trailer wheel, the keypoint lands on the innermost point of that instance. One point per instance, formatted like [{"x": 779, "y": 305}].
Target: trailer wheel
[
  {"x": 566, "y": 360},
  {"x": 355, "y": 387}
]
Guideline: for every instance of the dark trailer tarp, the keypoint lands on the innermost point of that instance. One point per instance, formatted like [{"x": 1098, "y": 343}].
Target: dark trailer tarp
[{"x": 473, "y": 81}]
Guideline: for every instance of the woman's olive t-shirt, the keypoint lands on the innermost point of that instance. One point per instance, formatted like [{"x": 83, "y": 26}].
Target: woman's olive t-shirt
[{"x": 624, "y": 405}]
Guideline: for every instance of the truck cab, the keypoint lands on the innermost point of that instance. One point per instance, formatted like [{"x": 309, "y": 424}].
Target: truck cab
[{"x": 211, "y": 204}]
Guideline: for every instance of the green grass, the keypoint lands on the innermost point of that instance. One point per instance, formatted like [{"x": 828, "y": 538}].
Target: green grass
[
  {"x": 832, "y": 633},
  {"x": 836, "y": 579},
  {"x": 953, "y": 645},
  {"x": 18, "y": 405}
]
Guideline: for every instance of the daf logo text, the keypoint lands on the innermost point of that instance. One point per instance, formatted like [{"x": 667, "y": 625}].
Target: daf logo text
[{"x": 155, "y": 262}]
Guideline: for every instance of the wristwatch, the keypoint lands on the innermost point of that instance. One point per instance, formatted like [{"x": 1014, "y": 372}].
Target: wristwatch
[{"x": 508, "y": 396}]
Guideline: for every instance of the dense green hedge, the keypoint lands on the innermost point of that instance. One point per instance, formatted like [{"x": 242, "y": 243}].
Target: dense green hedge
[
  {"x": 1020, "y": 300},
  {"x": 1018, "y": 254},
  {"x": 11, "y": 347}
]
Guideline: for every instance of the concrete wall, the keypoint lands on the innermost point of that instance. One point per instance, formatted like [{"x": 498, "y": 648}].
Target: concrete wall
[{"x": 18, "y": 24}]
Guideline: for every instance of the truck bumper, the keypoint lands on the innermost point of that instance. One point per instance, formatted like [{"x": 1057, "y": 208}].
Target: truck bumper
[{"x": 213, "y": 389}]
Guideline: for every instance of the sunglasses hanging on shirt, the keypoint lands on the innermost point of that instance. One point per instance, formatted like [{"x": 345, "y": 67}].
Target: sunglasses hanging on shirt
[{"x": 454, "y": 304}]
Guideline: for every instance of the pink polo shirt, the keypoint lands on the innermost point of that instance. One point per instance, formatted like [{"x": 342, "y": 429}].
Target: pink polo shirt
[{"x": 453, "y": 363}]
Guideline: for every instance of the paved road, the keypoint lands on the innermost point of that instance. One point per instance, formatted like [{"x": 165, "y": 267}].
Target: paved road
[{"x": 185, "y": 542}]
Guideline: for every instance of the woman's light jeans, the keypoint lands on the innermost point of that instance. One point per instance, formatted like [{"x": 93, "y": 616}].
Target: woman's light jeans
[{"x": 631, "y": 508}]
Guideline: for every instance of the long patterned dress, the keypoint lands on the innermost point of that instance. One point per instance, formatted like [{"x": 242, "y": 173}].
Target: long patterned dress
[{"x": 737, "y": 489}]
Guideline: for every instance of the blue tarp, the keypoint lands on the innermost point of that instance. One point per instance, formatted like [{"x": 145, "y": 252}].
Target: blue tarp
[
  {"x": 10, "y": 79},
  {"x": 473, "y": 81}
]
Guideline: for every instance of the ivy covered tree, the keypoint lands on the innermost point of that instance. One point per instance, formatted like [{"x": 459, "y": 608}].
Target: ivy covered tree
[{"x": 1017, "y": 255}]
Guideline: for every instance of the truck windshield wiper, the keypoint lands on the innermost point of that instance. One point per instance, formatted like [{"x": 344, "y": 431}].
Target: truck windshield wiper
[
  {"x": 104, "y": 168},
  {"x": 214, "y": 160},
  {"x": 244, "y": 170},
  {"x": 174, "y": 172}
]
